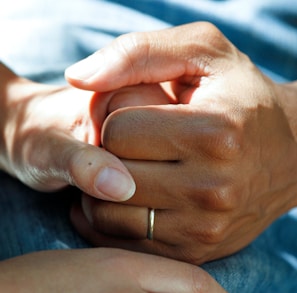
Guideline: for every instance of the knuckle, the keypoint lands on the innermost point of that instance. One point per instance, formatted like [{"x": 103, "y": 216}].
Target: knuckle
[
  {"x": 133, "y": 41},
  {"x": 209, "y": 29},
  {"x": 212, "y": 132},
  {"x": 226, "y": 142},
  {"x": 215, "y": 38},
  {"x": 200, "y": 239},
  {"x": 133, "y": 49},
  {"x": 210, "y": 229},
  {"x": 212, "y": 44},
  {"x": 214, "y": 194},
  {"x": 215, "y": 232},
  {"x": 229, "y": 143},
  {"x": 221, "y": 198}
]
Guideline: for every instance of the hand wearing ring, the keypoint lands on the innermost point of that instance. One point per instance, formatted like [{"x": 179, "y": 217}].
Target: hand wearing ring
[{"x": 212, "y": 166}]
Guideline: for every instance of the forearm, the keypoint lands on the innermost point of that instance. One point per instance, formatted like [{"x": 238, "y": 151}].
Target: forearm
[
  {"x": 13, "y": 90},
  {"x": 7, "y": 81}
]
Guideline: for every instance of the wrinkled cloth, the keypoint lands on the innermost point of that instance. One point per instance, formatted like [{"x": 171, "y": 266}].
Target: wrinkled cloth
[{"x": 40, "y": 38}]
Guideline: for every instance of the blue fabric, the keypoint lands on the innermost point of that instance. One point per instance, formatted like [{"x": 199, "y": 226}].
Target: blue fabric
[
  {"x": 268, "y": 265},
  {"x": 32, "y": 221},
  {"x": 40, "y": 38}
]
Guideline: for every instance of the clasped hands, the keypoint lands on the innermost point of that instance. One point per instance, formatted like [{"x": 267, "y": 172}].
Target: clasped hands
[
  {"x": 210, "y": 160},
  {"x": 188, "y": 126}
]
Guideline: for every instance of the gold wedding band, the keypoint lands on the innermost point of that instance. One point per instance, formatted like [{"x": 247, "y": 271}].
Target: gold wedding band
[{"x": 151, "y": 222}]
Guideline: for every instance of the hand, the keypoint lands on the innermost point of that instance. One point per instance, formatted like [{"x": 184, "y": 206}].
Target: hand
[
  {"x": 218, "y": 168},
  {"x": 101, "y": 270},
  {"x": 51, "y": 136}
]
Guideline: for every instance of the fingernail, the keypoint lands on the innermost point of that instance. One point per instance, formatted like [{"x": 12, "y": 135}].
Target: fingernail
[
  {"x": 115, "y": 184},
  {"x": 85, "y": 68}
]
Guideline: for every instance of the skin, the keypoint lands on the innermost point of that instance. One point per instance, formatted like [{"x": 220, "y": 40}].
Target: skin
[
  {"x": 65, "y": 140},
  {"x": 49, "y": 138},
  {"x": 218, "y": 167},
  {"x": 101, "y": 270}
]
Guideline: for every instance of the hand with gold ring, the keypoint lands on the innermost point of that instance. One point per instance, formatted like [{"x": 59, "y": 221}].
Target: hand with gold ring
[{"x": 215, "y": 169}]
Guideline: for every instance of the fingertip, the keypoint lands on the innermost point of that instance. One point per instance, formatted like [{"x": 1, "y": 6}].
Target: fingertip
[
  {"x": 83, "y": 70},
  {"x": 99, "y": 173},
  {"x": 115, "y": 184}
]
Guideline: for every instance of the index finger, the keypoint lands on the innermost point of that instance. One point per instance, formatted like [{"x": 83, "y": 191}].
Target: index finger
[{"x": 151, "y": 57}]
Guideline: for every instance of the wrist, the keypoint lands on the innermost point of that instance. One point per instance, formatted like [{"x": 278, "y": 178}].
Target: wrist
[
  {"x": 13, "y": 89},
  {"x": 287, "y": 100},
  {"x": 7, "y": 81}
]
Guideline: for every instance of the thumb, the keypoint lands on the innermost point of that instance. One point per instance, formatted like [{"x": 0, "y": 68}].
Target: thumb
[
  {"x": 150, "y": 57},
  {"x": 92, "y": 169},
  {"x": 99, "y": 173}
]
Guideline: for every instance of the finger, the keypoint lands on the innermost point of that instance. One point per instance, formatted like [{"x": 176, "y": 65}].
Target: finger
[
  {"x": 117, "y": 182},
  {"x": 87, "y": 231},
  {"x": 159, "y": 184},
  {"x": 127, "y": 221},
  {"x": 102, "y": 270},
  {"x": 166, "y": 133},
  {"x": 140, "y": 95},
  {"x": 174, "y": 186},
  {"x": 103, "y": 104},
  {"x": 134, "y": 222},
  {"x": 170, "y": 154},
  {"x": 97, "y": 172},
  {"x": 156, "y": 274},
  {"x": 171, "y": 237},
  {"x": 91, "y": 169},
  {"x": 131, "y": 222},
  {"x": 187, "y": 278},
  {"x": 153, "y": 132},
  {"x": 151, "y": 57}
]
